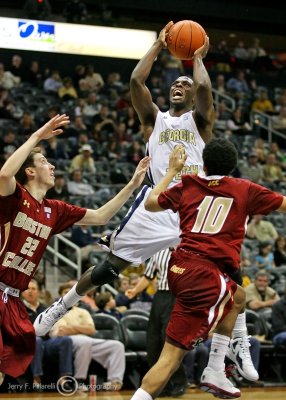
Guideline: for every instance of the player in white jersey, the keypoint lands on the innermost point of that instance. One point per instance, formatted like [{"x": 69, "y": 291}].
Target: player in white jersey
[{"x": 189, "y": 121}]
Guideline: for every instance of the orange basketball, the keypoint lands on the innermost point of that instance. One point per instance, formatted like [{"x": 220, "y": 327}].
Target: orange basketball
[{"x": 184, "y": 38}]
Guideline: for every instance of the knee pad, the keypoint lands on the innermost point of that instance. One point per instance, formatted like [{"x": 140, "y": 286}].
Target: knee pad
[{"x": 104, "y": 273}]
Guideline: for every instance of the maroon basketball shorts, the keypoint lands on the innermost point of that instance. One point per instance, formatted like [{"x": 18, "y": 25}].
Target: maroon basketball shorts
[
  {"x": 17, "y": 337},
  {"x": 204, "y": 295}
]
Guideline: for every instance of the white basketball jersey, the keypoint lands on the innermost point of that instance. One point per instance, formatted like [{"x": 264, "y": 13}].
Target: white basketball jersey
[{"x": 168, "y": 132}]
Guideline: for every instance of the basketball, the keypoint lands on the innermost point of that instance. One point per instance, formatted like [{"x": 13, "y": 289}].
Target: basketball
[{"x": 184, "y": 38}]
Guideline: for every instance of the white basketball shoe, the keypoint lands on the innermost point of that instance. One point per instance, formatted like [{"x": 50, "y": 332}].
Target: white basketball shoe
[
  {"x": 216, "y": 383},
  {"x": 238, "y": 352},
  {"x": 45, "y": 321}
]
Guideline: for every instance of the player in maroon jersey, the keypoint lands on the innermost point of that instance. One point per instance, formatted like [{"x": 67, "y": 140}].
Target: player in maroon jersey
[
  {"x": 28, "y": 220},
  {"x": 213, "y": 214}
]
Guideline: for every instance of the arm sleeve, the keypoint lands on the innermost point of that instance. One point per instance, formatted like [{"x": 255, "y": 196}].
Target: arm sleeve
[
  {"x": 170, "y": 199},
  {"x": 262, "y": 200},
  {"x": 67, "y": 215}
]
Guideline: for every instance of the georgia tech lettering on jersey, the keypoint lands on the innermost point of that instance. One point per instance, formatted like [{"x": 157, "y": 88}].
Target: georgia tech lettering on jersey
[
  {"x": 175, "y": 135},
  {"x": 28, "y": 224}
]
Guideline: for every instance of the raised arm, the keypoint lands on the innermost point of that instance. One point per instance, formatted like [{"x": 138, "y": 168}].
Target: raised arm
[
  {"x": 140, "y": 94},
  {"x": 15, "y": 161},
  {"x": 204, "y": 110},
  {"x": 103, "y": 214},
  {"x": 176, "y": 163}
]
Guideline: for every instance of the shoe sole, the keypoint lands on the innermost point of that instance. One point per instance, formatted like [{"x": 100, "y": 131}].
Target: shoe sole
[
  {"x": 217, "y": 392},
  {"x": 232, "y": 358}
]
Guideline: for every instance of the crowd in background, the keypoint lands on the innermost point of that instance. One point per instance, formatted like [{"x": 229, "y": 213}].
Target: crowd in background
[{"x": 98, "y": 151}]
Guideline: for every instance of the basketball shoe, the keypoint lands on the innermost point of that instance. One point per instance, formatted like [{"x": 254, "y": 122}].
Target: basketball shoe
[
  {"x": 238, "y": 352},
  {"x": 216, "y": 383},
  {"x": 49, "y": 317}
]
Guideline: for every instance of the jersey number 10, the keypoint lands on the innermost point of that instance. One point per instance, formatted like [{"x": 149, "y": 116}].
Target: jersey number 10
[{"x": 212, "y": 214}]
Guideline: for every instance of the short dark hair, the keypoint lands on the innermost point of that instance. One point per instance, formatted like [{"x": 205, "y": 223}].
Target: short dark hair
[
  {"x": 220, "y": 157},
  {"x": 102, "y": 299},
  {"x": 21, "y": 175}
]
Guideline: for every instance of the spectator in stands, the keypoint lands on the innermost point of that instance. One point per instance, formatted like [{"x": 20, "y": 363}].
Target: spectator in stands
[
  {"x": 135, "y": 152},
  {"x": 280, "y": 251},
  {"x": 88, "y": 302},
  {"x": 17, "y": 68},
  {"x": 84, "y": 160},
  {"x": 67, "y": 91},
  {"x": 241, "y": 54},
  {"x": 279, "y": 121},
  {"x": 82, "y": 236},
  {"x": 75, "y": 11},
  {"x": 219, "y": 84},
  {"x": 238, "y": 85},
  {"x": 79, "y": 325},
  {"x": 261, "y": 230},
  {"x": 8, "y": 144},
  {"x": 281, "y": 102},
  {"x": 76, "y": 127},
  {"x": 124, "y": 100},
  {"x": 79, "y": 73},
  {"x": 280, "y": 156},
  {"x": 105, "y": 121},
  {"x": 7, "y": 79},
  {"x": 93, "y": 80},
  {"x": 251, "y": 169},
  {"x": 77, "y": 186},
  {"x": 238, "y": 125},
  {"x": 131, "y": 121},
  {"x": 263, "y": 103},
  {"x": 255, "y": 50},
  {"x": 161, "y": 102},
  {"x": 265, "y": 257},
  {"x": 55, "y": 148},
  {"x": 53, "y": 83},
  {"x": 279, "y": 321},
  {"x": 111, "y": 150},
  {"x": 46, "y": 348},
  {"x": 260, "y": 297},
  {"x": 26, "y": 125},
  {"x": 106, "y": 304},
  {"x": 91, "y": 106},
  {"x": 271, "y": 171},
  {"x": 60, "y": 189},
  {"x": 33, "y": 74},
  {"x": 261, "y": 150},
  {"x": 38, "y": 10}
]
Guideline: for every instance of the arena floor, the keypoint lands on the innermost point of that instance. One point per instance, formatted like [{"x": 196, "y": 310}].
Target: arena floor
[{"x": 277, "y": 393}]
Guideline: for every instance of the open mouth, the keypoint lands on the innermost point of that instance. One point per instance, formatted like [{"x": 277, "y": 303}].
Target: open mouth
[{"x": 177, "y": 94}]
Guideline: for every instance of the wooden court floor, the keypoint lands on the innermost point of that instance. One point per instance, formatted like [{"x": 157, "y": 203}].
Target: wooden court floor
[{"x": 274, "y": 393}]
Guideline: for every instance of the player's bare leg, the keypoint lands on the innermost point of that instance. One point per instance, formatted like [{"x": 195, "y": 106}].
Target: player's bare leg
[
  {"x": 157, "y": 377},
  {"x": 213, "y": 379}
]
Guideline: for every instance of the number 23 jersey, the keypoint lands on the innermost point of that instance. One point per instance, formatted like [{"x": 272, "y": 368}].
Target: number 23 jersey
[{"x": 214, "y": 211}]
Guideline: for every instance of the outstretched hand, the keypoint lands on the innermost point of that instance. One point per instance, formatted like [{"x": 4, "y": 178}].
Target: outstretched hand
[
  {"x": 202, "y": 51},
  {"x": 177, "y": 159},
  {"x": 140, "y": 172},
  {"x": 164, "y": 33},
  {"x": 52, "y": 127}
]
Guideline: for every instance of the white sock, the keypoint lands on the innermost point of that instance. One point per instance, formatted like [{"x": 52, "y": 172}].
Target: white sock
[
  {"x": 240, "y": 329},
  {"x": 71, "y": 298},
  {"x": 218, "y": 351},
  {"x": 140, "y": 394}
]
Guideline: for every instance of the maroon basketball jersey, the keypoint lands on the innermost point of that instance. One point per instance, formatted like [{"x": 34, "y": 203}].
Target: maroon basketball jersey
[
  {"x": 26, "y": 227},
  {"x": 214, "y": 212}
]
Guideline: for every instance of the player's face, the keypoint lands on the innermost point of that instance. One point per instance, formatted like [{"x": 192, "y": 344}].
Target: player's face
[
  {"x": 44, "y": 171},
  {"x": 182, "y": 91}
]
